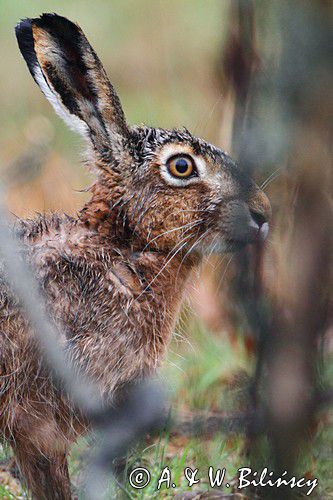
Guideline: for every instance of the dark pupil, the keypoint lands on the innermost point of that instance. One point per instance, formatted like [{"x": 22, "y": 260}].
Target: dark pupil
[{"x": 182, "y": 165}]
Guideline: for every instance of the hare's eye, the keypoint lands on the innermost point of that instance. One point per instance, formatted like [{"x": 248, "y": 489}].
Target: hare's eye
[{"x": 181, "y": 166}]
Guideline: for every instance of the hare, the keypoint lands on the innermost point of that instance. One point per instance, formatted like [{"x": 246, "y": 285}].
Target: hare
[{"x": 113, "y": 277}]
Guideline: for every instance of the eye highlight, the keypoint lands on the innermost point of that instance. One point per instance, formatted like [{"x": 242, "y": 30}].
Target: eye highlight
[{"x": 181, "y": 166}]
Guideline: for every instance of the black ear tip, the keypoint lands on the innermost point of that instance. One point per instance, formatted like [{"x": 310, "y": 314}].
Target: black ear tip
[
  {"x": 25, "y": 40},
  {"x": 23, "y": 31},
  {"x": 46, "y": 20},
  {"x": 23, "y": 27},
  {"x": 54, "y": 22},
  {"x": 51, "y": 16}
]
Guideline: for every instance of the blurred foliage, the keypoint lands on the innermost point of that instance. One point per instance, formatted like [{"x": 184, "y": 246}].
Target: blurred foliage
[{"x": 204, "y": 373}]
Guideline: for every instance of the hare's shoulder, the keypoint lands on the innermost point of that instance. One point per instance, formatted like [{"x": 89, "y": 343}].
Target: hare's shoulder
[
  {"x": 35, "y": 237},
  {"x": 69, "y": 257},
  {"x": 32, "y": 230}
]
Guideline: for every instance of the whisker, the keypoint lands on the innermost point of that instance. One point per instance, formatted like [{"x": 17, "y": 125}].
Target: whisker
[
  {"x": 224, "y": 273},
  {"x": 195, "y": 210},
  {"x": 271, "y": 178},
  {"x": 203, "y": 124},
  {"x": 190, "y": 249},
  {"x": 189, "y": 225},
  {"x": 213, "y": 246},
  {"x": 182, "y": 243}
]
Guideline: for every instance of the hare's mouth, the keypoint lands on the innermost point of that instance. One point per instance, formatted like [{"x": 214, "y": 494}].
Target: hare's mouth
[
  {"x": 256, "y": 233},
  {"x": 222, "y": 247},
  {"x": 219, "y": 244},
  {"x": 236, "y": 245}
]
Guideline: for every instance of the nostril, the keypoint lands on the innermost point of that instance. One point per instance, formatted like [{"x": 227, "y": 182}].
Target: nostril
[{"x": 258, "y": 218}]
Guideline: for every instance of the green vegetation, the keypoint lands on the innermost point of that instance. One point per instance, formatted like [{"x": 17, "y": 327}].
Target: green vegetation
[{"x": 206, "y": 374}]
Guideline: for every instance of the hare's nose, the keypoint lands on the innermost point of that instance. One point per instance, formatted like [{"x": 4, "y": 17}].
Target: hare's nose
[
  {"x": 260, "y": 212},
  {"x": 259, "y": 218},
  {"x": 260, "y": 223}
]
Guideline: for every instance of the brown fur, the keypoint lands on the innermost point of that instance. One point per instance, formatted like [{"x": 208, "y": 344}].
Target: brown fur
[{"x": 114, "y": 276}]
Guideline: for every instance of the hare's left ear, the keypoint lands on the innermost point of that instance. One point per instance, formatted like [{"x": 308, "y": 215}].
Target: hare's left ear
[{"x": 71, "y": 76}]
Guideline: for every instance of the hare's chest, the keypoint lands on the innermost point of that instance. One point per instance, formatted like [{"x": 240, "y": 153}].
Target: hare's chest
[
  {"x": 117, "y": 313},
  {"x": 106, "y": 297},
  {"x": 137, "y": 304}
]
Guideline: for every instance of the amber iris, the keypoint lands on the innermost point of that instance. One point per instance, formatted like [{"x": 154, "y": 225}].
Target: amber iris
[{"x": 181, "y": 166}]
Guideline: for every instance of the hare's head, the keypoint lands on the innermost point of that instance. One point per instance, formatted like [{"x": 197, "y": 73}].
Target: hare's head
[{"x": 167, "y": 189}]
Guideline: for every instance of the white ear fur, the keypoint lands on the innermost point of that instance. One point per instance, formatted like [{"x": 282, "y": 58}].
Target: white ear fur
[{"x": 53, "y": 97}]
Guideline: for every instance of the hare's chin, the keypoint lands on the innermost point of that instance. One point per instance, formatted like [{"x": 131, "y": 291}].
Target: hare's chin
[
  {"x": 218, "y": 246},
  {"x": 221, "y": 246}
]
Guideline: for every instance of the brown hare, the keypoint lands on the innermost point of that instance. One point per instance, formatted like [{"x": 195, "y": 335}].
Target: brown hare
[{"x": 114, "y": 276}]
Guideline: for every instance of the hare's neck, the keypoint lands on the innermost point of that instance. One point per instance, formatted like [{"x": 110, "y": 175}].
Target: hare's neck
[
  {"x": 105, "y": 212},
  {"x": 163, "y": 290},
  {"x": 98, "y": 214},
  {"x": 153, "y": 311}
]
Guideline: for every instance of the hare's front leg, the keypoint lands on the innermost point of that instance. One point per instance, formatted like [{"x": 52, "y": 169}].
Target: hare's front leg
[{"x": 46, "y": 476}]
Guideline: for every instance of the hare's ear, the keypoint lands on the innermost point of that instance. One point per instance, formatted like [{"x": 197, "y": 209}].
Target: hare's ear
[{"x": 71, "y": 76}]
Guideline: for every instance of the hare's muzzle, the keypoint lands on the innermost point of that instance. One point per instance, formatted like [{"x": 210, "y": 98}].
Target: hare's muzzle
[{"x": 248, "y": 221}]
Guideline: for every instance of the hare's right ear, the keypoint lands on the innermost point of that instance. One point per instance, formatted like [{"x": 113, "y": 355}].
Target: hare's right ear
[{"x": 71, "y": 76}]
